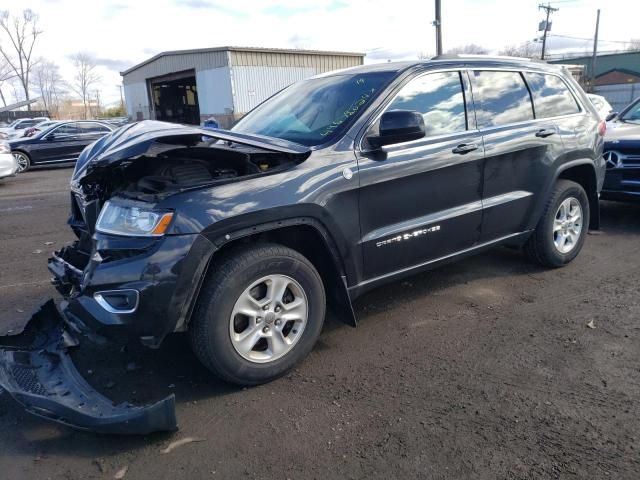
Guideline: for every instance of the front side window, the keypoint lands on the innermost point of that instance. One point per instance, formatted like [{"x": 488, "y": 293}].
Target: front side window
[
  {"x": 551, "y": 96},
  {"x": 439, "y": 98},
  {"x": 501, "y": 98},
  {"x": 315, "y": 111}
]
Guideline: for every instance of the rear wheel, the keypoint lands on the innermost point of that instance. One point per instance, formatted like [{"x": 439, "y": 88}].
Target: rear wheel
[
  {"x": 260, "y": 312},
  {"x": 562, "y": 230},
  {"x": 24, "y": 162}
]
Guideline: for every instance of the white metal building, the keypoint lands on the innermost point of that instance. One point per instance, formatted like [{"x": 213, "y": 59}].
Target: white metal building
[{"x": 188, "y": 86}]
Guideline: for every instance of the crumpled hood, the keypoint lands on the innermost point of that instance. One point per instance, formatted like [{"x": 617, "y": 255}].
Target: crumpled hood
[{"x": 135, "y": 139}]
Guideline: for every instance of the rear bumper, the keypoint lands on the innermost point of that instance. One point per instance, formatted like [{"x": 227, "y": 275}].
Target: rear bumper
[{"x": 37, "y": 371}]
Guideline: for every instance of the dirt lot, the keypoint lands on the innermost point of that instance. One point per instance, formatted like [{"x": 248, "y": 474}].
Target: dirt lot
[{"x": 482, "y": 369}]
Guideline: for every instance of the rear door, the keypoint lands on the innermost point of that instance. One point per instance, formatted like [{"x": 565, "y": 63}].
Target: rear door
[
  {"x": 421, "y": 200},
  {"x": 518, "y": 151}
]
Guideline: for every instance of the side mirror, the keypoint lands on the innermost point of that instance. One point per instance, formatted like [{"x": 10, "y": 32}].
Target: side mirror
[
  {"x": 397, "y": 126},
  {"x": 611, "y": 116}
]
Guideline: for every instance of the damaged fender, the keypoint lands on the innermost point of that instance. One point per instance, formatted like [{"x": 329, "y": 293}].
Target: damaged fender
[{"x": 37, "y": 371}]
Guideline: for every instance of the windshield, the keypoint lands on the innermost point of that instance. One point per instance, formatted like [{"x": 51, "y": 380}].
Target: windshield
[
  {"x": 632, "y": 115},
  {"x": 315, "y": 111}
]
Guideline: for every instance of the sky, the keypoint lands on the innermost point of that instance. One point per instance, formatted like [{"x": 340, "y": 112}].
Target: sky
[{"x": 123, "y": 33}]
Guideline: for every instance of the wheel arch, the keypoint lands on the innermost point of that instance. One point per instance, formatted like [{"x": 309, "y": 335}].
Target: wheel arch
[
  {"x": 307, "y": 236},
  {"x": 583, "y": 172}
]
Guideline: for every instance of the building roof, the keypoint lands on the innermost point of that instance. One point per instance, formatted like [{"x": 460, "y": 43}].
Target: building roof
[
  {"x": 241, "y": 49},
  {"x": 627, "y": 61}
]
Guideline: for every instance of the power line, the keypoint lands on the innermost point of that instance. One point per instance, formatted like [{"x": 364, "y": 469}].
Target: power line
[{"x": 588, "y": 39}]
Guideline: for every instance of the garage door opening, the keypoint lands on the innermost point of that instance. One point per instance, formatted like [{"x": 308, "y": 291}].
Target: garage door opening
[{"x": 175, "y": 98}]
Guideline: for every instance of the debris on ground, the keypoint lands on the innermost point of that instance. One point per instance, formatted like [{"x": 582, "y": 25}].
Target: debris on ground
[
  {"x": 48, "y": 243},
  {"x": 37, "y": 251},
  {"x": 120, "y": 474},
  {"x": 179, "y": 443},
  {"x": 591, "y": 324}
]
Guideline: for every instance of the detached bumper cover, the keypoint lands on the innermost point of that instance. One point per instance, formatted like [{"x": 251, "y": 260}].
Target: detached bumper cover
[{"x": 37, "y": 370}]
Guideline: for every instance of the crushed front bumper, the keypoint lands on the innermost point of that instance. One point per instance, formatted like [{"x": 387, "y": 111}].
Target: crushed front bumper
[{"x": 37, "y": 370}]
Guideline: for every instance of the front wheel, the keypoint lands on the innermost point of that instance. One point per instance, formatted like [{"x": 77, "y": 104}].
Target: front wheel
[
  {"x": 259, "y": 313},
  {"x": 24, "y": 162},
  {"x": 561, "y": 232}
]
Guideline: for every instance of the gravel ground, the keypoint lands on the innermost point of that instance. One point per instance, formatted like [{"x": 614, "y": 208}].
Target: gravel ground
[{"x": 482, "y": 369}]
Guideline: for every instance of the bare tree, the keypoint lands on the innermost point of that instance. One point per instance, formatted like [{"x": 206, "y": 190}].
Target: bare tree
[
  {"x": 50, "y": 84},
  {"x": 6, "y": 74},
  {"x": 22, "y": 33},
  {"x": 526, "y": 50},
  {"x": 471, "y": 48},
  {"x": 634, "y": 45},
  {"x": 85, "y": 78}
]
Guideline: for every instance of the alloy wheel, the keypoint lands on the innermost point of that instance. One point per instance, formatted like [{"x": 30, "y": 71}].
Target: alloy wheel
[
  {"x": 23, "y": 161},
  {"x": 268, "y": 318},
  {"x": 567, "y": 225}
]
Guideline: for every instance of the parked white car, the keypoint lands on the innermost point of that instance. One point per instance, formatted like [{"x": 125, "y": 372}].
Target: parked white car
[
  {"x": 603, "y": 107},
  {"x": 15, "y": 128},
  {"x": 8, "y": 163}
]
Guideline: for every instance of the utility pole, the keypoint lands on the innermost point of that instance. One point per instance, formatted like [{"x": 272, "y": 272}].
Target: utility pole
[
  {"x": 549, "y": 10},
  {"x": 121, "y": 99},
  {"x": 438, "y": 24},
  {"x": 595, "y": 54}
]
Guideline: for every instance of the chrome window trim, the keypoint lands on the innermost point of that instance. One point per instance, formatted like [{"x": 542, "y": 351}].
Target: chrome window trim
[{"x": 468, "y": 71}]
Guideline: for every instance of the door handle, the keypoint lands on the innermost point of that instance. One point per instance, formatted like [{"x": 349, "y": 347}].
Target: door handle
[
  {"x": 465, "y": 148},
  {"x": 545, "y": 132}
]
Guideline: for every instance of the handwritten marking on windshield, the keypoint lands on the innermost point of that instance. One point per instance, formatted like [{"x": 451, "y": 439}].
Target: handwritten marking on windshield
[{"x": 349, "y": 112}]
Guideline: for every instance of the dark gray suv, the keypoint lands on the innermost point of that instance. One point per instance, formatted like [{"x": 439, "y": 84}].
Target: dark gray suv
[{"x": 335, "y": 185}]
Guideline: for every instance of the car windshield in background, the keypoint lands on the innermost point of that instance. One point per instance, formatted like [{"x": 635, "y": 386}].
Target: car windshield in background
[
  {"x": 316, "y": 111},
  {"x": 632, "y": 115}
]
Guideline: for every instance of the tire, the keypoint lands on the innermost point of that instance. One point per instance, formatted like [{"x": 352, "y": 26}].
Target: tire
[
  {"x": 24, "y": 161},
  {"x": 217, "y": 328},
  {"x": 546, "y": 245}
]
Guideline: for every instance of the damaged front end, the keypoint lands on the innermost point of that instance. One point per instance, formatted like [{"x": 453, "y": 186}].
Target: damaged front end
[
  {"x": 37, "y": 370},
  {"x": 121, "y": 284}
]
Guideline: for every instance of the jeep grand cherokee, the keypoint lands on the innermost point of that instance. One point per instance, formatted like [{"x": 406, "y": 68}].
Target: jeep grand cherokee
[{"x": 333, "y": 186}]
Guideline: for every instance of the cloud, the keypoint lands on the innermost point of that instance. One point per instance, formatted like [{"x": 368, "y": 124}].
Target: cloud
[
  {"x": 210, "y": 5},
  {"x": 113, "y": 64}
]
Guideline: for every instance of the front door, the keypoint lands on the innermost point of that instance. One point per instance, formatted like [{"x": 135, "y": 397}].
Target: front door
[
  {"x": 59, "y": 144},
  {"x": 421, "y": 200}
]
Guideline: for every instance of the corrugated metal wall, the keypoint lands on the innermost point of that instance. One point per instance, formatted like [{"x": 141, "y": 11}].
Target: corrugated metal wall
[
  {"x": 137, "y": 100},
  {"x": 258, "y": 75},
  {"x": 252, "y": 85},
  {"x": 177, "y": 63},
  {"x": 619, "y": 96}
]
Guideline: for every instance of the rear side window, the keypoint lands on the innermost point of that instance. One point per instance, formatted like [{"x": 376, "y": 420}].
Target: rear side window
[
  {"x": 68, "y": 129},
  {"x": 439, "y": 98},
  {"x": 501, "y": 98},
  {"x": 551, "y": 96}
]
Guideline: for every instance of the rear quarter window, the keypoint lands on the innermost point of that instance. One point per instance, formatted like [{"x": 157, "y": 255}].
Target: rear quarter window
[
  {"x": 551, "y": 96},
  {"x": 501, "y": 98}
]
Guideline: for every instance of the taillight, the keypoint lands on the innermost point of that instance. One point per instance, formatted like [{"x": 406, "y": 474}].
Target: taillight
[{"x": 602, "y": 128}]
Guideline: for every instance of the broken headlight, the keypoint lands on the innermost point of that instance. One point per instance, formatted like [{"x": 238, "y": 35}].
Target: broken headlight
[{"x": 133, "y": 221}]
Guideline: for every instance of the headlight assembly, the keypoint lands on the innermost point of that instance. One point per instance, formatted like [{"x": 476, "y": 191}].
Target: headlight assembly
[{"x": 133, "y": 221}]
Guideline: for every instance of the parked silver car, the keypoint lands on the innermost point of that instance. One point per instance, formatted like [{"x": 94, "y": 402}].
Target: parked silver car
[{"x": 8, "y": 163}]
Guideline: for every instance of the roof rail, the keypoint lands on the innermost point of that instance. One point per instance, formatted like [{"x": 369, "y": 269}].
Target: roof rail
[{"x": 475, "y": 56}]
